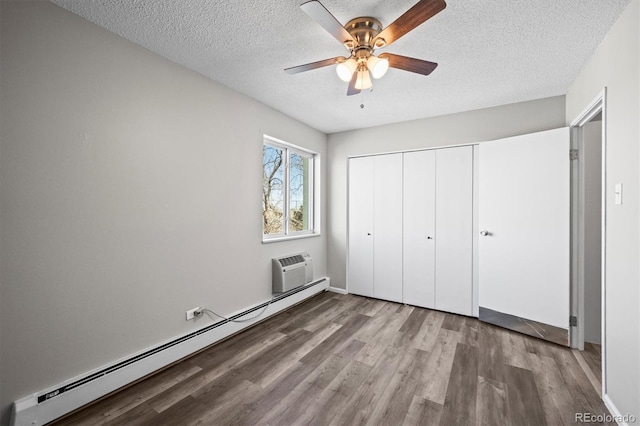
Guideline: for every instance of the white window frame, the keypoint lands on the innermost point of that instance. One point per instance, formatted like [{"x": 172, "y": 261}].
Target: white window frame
[{"x": 313, "y": 157}]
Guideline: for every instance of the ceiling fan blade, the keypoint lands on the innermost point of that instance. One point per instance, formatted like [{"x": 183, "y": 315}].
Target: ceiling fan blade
[
  {"x": 410, "y": 64},
  {"x": 314, "y": 65},
  {"x": 419, "y": 13},
  {"x": 322, "y": 16},
  {"x": 352, "y": 85}
]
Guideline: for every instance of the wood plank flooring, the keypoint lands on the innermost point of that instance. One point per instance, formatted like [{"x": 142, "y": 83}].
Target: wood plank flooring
[{"x": 347, "y": 360}]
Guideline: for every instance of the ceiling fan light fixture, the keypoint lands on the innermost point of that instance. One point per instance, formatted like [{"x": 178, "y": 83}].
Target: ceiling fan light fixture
[
  {"x": 364, "y": 80},
  {"x": 346, "y": 69},
  {"x": 362, "y": 36},
  {"x": 377, "y": 66}
]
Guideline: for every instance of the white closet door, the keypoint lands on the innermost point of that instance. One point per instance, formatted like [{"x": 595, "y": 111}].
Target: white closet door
[
  {"x": 454, "y": 228},
  {"x": 360, "y": 268},
  {"x": 524, "y": 258},
  {"x": 419, "y": 191},
  {"x": 387, "y": 233}
]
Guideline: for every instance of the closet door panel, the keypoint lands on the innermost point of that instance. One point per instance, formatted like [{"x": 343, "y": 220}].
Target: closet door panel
[
  {"x": 360, "y": 252},
  {"x": 454, "y": 230},
  {"x": 419, "y": 190},
  {"x": 387, "y": 233}
]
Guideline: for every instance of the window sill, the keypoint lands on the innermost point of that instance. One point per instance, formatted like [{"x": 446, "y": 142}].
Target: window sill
[{"x": 290, "y": 237}]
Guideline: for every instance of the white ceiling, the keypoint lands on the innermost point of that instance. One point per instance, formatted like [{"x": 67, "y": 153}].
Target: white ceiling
[{"x": 490, "y": 52}]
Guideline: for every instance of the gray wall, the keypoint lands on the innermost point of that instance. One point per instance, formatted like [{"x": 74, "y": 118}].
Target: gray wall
[
  {"x": 466, "y": 127},
  {"x": 131, "y": 192},
  {"x": 616, "y": 66},
  {"x": 591, "y": 156},
  {"x": 117, "y": 197}
]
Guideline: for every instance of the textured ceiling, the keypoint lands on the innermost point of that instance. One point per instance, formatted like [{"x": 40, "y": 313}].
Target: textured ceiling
[{"x": 490, "y": 52}]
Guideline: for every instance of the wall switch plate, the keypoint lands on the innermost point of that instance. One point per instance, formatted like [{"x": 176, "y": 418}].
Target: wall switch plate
[
  {"x": 617, "y": 193},
  {"x": 192, "y": 313}
]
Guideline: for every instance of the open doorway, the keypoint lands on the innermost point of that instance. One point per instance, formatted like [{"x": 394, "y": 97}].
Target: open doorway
[
  {"x": 591, "y": 150},
  {"x": 588, "y": 240}
]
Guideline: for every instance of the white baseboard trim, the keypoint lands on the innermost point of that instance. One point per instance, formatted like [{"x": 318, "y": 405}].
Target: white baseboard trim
[
  {"x": 618, "y": 417},
  {"x": 337, "y": 290},
  {"x": 56, "y": 401}
]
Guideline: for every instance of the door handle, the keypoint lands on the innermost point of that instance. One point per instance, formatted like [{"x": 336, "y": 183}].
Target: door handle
[
  {"x": 429, "y": 238},
  {"x": 485, "y": 233},
  {"x": 368, "y": 233}
]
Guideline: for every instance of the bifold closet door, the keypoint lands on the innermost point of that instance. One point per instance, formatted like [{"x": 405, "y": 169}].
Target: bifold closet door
[
  {"x": 360, "y": 268},
  {"x": 375, "y": 227},
  {"x": 438, "y": 229},
  {"x": 419, "y": 220},
  {"x": 454, "y": 230},
  {"x": 387, "y": 227}
]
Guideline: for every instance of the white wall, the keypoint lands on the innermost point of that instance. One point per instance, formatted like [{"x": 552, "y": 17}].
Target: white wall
[
  {"x": 615, "y": 65},
  {"x": 465, "y": 127},
  {"x": 130, "y": 191}
]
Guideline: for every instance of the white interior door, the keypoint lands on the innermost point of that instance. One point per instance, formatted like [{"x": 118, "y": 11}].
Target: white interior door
[
  {"x": 387, "y": 222},
  {"x": 454, "y": 230},
  {"x": 524, "y": 217},
  {"x": 419, "y": 217},
  {"x": 360, "y": 253}
]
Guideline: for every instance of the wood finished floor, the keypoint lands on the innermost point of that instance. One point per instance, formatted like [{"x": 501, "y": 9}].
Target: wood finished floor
[{"x": 347, "y": 360}]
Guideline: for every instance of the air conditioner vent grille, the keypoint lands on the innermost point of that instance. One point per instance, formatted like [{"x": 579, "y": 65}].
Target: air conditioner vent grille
[
  {"x": 291, "y": 271},
  {"x": 292, "y": 260}
]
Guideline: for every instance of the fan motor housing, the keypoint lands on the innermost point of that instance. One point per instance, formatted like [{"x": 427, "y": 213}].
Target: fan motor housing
[{"x": 363, "y": 29}]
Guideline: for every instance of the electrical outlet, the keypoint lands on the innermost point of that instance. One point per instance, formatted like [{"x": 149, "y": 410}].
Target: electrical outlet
[{"x": 191, "y": 313}]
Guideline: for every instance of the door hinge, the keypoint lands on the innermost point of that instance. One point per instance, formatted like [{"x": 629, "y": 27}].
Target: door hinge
[
  {"x": 573, "y": 321},
  {"x": 573, "y": 154}
]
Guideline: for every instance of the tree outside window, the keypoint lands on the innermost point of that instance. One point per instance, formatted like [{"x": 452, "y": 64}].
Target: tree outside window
[{"x": 287, "y": 192}]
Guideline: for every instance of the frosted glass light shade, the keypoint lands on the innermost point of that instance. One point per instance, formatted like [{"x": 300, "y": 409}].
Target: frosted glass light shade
[
  {"x": 377, "y": 66},
  {"x": 363, "y": 81},
  {"x": 346, "y": 69}
]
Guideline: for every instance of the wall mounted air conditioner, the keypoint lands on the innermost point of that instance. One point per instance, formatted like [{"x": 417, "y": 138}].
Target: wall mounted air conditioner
[{"x": 290, "y": 272}]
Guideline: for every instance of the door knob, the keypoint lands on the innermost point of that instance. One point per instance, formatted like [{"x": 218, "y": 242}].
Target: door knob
[
  {"x": 368, "y": 233},
  {"x": 485, "y": 233},
  {"x": 429, "y": 238}
]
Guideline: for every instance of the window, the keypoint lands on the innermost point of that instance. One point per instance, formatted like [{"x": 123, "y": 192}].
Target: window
[{"x": 287, "y": 191}]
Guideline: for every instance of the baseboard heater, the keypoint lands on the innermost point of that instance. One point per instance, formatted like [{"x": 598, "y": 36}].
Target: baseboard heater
[{"x": 48, "y": 405}]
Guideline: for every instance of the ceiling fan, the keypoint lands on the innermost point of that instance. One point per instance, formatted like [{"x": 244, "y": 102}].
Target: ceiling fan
[{"x": 362, "y": 36}]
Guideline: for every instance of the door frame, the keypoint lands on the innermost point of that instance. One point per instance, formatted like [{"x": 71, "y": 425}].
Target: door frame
[{"x": 597, "y": 105}]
